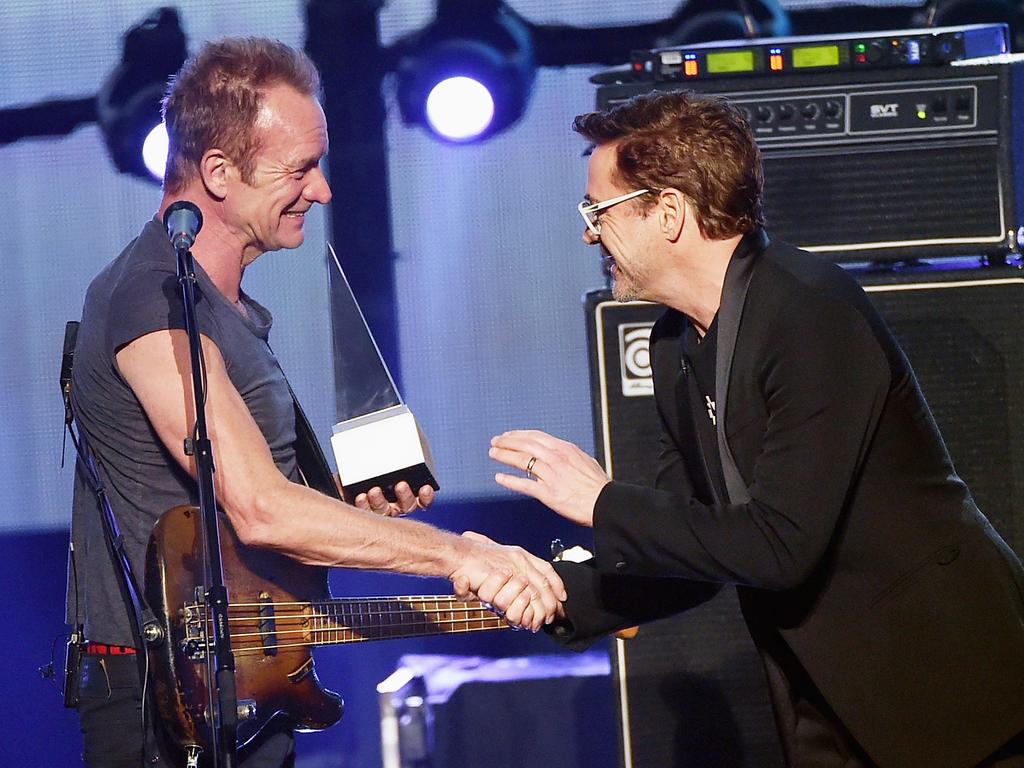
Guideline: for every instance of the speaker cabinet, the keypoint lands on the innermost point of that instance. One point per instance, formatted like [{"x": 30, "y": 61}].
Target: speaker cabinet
[
  {"x": 691, "y": 691},
  {"x": 961, "y": 330}
]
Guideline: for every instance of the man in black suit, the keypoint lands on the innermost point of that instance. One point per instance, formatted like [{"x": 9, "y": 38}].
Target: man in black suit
[{"x": 799, "y": 462}]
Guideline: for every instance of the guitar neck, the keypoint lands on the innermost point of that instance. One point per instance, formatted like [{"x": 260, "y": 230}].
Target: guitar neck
[{"x": 354, "y": 620}]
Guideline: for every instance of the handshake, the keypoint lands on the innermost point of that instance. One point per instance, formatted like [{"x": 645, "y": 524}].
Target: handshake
[
  {"x": 525, "y": 590},
  {"x": 519, "y": 587}
]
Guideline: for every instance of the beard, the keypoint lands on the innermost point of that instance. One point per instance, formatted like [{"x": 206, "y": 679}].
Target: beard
[{"x": 623, "y": 288}]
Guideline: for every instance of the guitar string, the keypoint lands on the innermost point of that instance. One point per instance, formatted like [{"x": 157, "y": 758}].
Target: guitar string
[
  {"x": 372, "y": 622},
  {"x": 361, "y": 600},
  {"x": 317, "y": 610},
  {"x": 250, "y": 649},
  {"x": 355, "y": 627},
  {"x": 367, "y": 620},
  {"x": 355, "y": 621},
  {"x": 453, "y": 606},
  {"x": 467, "y": 614},
  {"x": 374, "y": 628}
]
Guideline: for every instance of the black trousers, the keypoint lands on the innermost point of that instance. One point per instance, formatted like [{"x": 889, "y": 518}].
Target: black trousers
[
  {"x": 812, "y": 736},
  {"x": 110, "y": 715}
]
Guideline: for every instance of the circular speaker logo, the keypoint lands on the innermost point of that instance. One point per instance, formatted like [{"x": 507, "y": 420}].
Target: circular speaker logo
[{"x": 635, "y": 353}]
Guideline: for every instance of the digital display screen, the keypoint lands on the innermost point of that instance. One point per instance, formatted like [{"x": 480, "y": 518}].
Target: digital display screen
[
  {"x": 730, "y": 61},
  {"x": 816, "y": 56}
]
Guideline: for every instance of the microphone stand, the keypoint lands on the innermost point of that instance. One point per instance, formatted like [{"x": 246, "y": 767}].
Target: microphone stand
[{"x": 224, "y": 710}]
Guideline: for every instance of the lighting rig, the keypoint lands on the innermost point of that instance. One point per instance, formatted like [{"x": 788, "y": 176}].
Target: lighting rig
[
  {"x": 127, "y": 106},
  {"x": 466, "y": 76}
]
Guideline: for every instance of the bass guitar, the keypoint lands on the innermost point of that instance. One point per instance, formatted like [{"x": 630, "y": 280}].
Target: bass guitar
[{"x": 279, "y": 611}]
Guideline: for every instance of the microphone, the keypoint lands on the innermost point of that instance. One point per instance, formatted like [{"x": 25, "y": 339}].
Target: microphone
[{"x": 183, "y": 221}]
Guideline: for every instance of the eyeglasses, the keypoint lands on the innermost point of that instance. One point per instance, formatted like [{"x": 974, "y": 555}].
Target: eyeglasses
[{"x": 590, "y": 211}]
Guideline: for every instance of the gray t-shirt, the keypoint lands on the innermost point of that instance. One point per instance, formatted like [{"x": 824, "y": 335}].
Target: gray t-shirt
[{"x": 136, "y": 294}]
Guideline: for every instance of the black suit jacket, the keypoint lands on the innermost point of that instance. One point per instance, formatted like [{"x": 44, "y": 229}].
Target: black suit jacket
[{"x": 853, "y": 544}]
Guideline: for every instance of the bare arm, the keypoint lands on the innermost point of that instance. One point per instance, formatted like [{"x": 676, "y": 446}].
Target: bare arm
[{"x": 267, "y": 510}]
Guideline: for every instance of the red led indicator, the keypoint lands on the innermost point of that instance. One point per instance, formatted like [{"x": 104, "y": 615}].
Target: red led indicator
[
  {"x": 690, "y": 67},
  {"x": 861, "y": 58},
  {"x": 775, "y": 62}
]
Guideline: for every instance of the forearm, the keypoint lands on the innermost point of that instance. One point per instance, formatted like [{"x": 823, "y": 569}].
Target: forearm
[{"x": 317, "y": 530}]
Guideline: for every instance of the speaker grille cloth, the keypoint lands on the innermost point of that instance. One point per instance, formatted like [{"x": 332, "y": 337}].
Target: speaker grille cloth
[
  {"x": 965, "y": 345},
  {"x": 846, "y": 196}
]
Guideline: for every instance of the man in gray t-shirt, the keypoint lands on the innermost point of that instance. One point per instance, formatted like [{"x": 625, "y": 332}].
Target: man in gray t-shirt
[{"x": 246, "y": 138}]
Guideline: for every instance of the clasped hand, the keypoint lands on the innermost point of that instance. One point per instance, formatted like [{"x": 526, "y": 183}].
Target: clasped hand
[
  {"x": 521, "y": 588},
  {"x": 559, "y": 474}
]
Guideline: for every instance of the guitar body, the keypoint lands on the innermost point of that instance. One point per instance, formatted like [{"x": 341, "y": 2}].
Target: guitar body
[{"x": 272, "y": 649}]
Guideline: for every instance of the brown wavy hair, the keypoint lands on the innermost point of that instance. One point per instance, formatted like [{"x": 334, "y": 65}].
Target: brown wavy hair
[
  {"x": 215, "y": 98},
  {"x": 700, "y": 145}
]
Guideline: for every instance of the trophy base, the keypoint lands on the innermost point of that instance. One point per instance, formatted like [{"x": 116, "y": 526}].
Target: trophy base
[
  {"x": 382, "y": 449},
  {"x": 416, "y": 477}
]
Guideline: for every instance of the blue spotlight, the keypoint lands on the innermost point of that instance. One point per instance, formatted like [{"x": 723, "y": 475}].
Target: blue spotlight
[
  {"x": 154, "y": 151},
  {"x": 460, "y": 108},
  {"x": 468, "y": 74}
]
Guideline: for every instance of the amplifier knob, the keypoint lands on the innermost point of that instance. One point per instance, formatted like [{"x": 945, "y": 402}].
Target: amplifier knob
[
  {"x": 745, "y": 112},
  {"x": 809, "y": 111},
  {"x": 875, "y": 53},
  {"x": 786, "y": 111},
  {"x": 832, "y": 109},
  {"x": 765, "y": 113}
]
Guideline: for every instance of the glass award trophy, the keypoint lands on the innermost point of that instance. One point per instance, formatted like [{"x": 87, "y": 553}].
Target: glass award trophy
[{"x": 377, "y": 442}]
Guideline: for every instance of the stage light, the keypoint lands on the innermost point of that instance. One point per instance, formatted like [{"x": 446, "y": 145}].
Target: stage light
[
  {"x": 154, "y": 151},
  {"x": 459, "y": 108},
  {"x": 128, "y": 104},
  {"x": 468, "y": 74}
]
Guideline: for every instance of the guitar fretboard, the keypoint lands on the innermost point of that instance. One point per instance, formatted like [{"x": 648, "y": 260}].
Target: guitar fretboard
[
  {"x": 342, "y": 620},
  {"x": 267, "y": 626}
]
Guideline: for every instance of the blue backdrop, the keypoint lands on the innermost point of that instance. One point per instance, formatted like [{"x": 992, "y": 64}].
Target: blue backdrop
[{"x": 490, "y": 273}]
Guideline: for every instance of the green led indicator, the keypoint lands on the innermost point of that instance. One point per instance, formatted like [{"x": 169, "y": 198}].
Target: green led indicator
[
  {"x": 861, "y": 47},
  {"x": 922, "y": 115}
]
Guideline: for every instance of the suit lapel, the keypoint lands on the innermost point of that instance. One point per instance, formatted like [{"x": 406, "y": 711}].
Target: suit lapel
[{"x": 730, "y": 314}]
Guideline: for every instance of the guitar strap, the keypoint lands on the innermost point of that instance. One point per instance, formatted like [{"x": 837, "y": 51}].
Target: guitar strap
[
  {"x": 140, "y": 614},
  {"x": 313, "y": 467},
  {"x": 314, "y": 471}
]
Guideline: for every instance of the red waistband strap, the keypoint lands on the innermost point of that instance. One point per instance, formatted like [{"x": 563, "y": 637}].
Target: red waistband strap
[{"x": 102, "y": 649}]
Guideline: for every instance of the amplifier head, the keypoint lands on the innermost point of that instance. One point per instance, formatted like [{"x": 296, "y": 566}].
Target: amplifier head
[{"x": 883, "y": 166}]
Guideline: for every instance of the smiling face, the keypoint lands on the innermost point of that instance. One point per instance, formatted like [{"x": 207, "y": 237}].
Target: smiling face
[
  {"x": 267, "y": 212},
  {"x": 627, "y": 241}
]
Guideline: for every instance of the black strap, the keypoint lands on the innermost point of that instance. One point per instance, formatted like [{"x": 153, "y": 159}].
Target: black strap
[
  {"x": 141, "y": 614},
  {"x": 314, "y": 470},
  {"x": 312, "y": 463}
]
